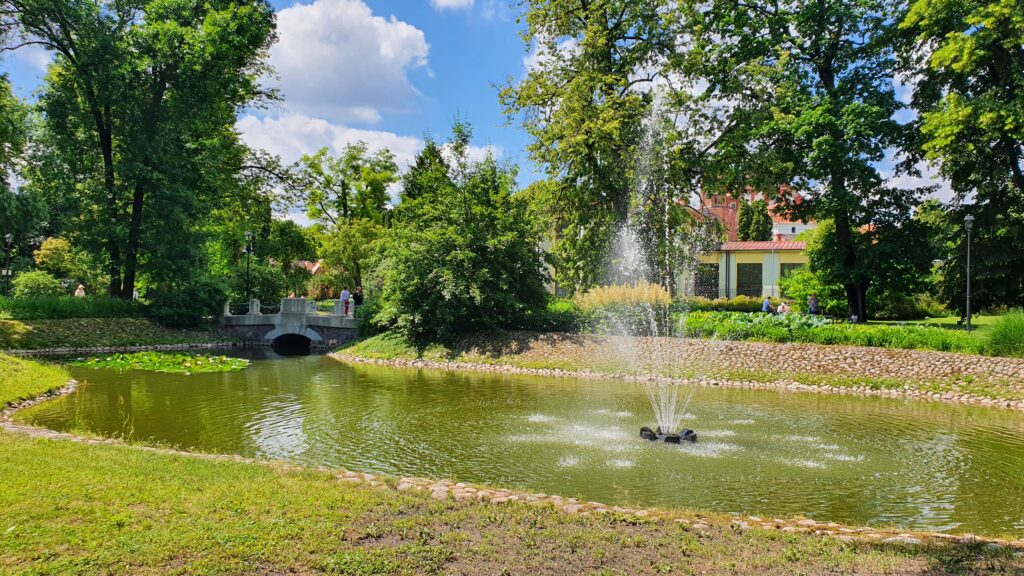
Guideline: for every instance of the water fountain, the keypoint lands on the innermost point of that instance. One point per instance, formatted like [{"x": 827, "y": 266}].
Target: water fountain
[{"x": 635, "y": 259}]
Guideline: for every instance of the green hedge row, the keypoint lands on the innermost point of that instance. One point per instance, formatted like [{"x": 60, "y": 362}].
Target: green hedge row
[{"x": 1005, "y": 338}]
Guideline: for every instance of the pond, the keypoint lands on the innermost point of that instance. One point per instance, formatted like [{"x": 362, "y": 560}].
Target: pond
[{"x": 853, "y": 460}]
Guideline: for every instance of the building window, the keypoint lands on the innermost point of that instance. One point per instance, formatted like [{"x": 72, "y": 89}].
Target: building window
[
  {"x": 706, "y": 282},
  {"x": 748, "y": 280},
  {"x": 794, "y": 230}
]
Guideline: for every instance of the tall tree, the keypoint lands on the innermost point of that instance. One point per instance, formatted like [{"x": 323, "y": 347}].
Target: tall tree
[
  {"x": 583, "y": 101},
  {"x": 760, "y": 226},
  {"x": 965, "y": 60},
  {"x": 335, "y": 190},
  {"x": 827, "y": 115},
  {"x": 140, "y": 101}
]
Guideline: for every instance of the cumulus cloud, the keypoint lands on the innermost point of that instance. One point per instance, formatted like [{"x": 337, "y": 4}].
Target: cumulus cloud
[
  {"x": 451, "y": 4},
  {"x": 337, "y": 60}
]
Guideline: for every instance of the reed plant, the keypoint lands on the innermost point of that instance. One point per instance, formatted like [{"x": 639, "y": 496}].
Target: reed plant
[{"x": 1006, "y": 336}]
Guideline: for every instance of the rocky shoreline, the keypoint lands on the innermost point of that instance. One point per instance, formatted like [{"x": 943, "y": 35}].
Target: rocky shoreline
[
  {"x": 445, "y": 490},
  {"x": 908, "y": 391},
  {"x": 47, "y": 352}
]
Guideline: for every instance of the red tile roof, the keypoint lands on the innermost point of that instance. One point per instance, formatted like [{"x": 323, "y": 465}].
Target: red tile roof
[{"x": 741, "y": 246}]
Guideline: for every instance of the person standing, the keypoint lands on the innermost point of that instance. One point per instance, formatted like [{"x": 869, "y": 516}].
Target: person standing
[
  {"x": 345, "y": 297},
  {"x": 357, "y": 298},
  {"x": 812, "y": 304},
  {"x": 80, "y": 291}
]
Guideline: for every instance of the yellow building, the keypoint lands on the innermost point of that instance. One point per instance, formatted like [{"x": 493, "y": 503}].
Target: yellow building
[{"x": 747, "y": 268}]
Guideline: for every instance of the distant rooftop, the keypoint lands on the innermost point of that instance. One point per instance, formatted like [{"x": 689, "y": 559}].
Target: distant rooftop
[{"x": 766, "y": 245}]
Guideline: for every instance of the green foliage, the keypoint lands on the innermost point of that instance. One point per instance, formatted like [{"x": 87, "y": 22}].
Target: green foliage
[
  {"x": 799, "y": 284},
  {"x": 968, "y": 67},
  {"x": 55, "y": 307},
  {"x": 560, "y": 315},
  {"x": 1006, "y": 336},
  {"x": 104, "y": 332},
  {"x": 901, "y": 306},
  {"x": 164, "y": 362},
  {"x": 35, "y": 284},
  {"x": 812, "y": 329},
  {"x": 736, "y": 304},
  {"x": 11, "y": 332},
  {"x": 365, "y": 314},
  {"x": 353, "y": 185},
  {"x": 187, "y": 305},
  {"x": 462, "y": 257},
  {"x": 266, "y": 282},
  {"x": 755, "y": 223}
]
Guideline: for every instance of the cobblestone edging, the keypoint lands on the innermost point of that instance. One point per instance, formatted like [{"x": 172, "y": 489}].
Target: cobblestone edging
[
  {"x": 908, "y": 391},
  {"x": 114, "y": 349},
  {"x": 446, "y": 490}
]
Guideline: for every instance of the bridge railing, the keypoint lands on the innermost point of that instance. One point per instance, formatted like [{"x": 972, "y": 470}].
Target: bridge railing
[{"x": 291, "y": 305}]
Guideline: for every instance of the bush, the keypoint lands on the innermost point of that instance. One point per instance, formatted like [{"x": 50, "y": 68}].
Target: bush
[
  {"x": 36, "y": 283},
  {"x": 189, "y": 305},
  {"x": 817, "y": 330},
  {"x": 1006, "y": 336},
  {"x": 364, "y": 316},
  {"x": 907, "y": 307},
  {"x": 639, "y": 310},
  {"x": 560, "y": 315},
  {"x": 59, "y": 307},
  {"x": 737, "y": 304},
  {"x": 11, "y": 332}
]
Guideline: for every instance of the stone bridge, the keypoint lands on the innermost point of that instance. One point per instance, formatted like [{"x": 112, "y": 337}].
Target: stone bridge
[{"x": 296, "y": 321}]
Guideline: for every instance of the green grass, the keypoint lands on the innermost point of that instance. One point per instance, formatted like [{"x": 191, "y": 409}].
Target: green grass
[
  {"x": 23, "y": 379},
  {"x": 100, "y": 332},
  {"x": 78, "y": 508},
  {"x": 61, "y": 307}
]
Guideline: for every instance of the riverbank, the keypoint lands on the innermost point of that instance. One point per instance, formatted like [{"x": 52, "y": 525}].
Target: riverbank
[
  {"x": 926, "y": 375},
  {"x": 99, "y": 335},
  {"x": 74, "y": 505}
]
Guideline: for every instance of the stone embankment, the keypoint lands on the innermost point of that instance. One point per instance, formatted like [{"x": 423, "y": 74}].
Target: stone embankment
[
  {"x": 117, "y": 349},
  {"x": 446, "y": 490},
  {"x": 894, "y": 373}
]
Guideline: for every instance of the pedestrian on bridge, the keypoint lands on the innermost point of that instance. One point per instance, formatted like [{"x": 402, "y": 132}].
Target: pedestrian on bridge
[{"x": 345, "y": 297}]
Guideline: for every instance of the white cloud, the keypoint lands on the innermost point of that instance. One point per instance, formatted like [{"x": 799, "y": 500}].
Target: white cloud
[
  {"x": 337, "y": 60},
  {"x": 451, "y": 4},
  {"x": 292, "y": 135},
  {"x": 35, "y": 56}
]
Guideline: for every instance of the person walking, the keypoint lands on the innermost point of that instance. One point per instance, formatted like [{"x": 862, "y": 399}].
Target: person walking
[
  {"x": 345, "y": 297},
  {"x": 812, "y": 304}
]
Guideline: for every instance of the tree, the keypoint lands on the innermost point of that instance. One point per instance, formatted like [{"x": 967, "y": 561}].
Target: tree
[
  {"x": 965, "y": 62},
  {"x": 760, "y": 226},
  {"x": 826, "y": 116},
  {"x": 582, "y": 102},
  {"x": 743, "y": 217},
  {"x": 140, "y": 104},
  {"x": 463, "y": 256},
  {"x": 339, "y": 189}
]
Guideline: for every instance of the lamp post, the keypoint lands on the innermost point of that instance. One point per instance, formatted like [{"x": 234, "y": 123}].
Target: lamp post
[
  {"x": 8, "y": 240},
  {"x": 969, "y": 224},
  {"x": 248, "y": 259}
]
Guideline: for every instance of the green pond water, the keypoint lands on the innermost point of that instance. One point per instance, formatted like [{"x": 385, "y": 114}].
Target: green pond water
[{"x": 774, "y": 454}]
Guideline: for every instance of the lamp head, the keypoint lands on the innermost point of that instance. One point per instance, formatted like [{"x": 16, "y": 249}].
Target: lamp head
[
  {"x": 248, "y": 235},
  {"x": 969, "y": 222},
  {"x": 8, "y": 237}
]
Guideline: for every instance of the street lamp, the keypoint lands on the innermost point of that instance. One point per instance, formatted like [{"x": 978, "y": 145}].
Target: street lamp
[
  {"x": 248, "y": 258},
  {"x": 8, "y": 240},
  {"x": 969, "y": 224}
]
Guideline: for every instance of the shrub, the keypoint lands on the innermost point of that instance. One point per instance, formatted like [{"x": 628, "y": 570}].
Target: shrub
[
  {"x": 60, "y": 307},
  {"x": 639, "y": 310},
  {"x": 36, "y": 283},
  {"x": 737, "y": 304},
  {"x": 11, "y": 332},
  {"x": 188, "y": 305},
  {"x": 560, "y": 315},
  {"x": 1006, "y": 336},
  {"x": 364, "y": 316},
  {"x": 900, "y": 306},
  {"x": 813, "y": 329}
]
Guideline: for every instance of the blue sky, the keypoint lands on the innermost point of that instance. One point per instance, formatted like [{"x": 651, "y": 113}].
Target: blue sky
[{"x": 386, "y": 72}]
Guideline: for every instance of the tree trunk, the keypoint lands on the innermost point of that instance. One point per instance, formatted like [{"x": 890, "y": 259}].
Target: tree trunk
[
  {"x": 132, "y": 253},
  {"x": 101, "y": 117}
]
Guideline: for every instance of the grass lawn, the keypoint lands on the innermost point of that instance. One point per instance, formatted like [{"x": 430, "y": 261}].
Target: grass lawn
[
  {"x": 951, "y": 322},
  {"x": 75, "y": 508}
]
